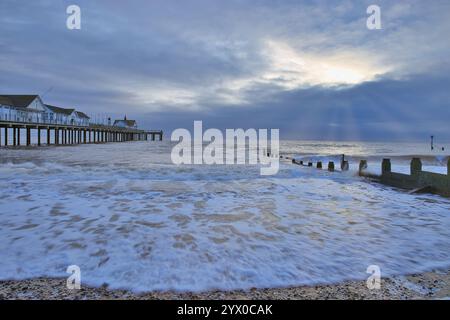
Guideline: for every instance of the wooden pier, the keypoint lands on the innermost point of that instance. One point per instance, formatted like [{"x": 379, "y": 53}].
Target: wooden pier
[
  {"x": 64, "y": 134},
  {"x": 154, "y": 133}
]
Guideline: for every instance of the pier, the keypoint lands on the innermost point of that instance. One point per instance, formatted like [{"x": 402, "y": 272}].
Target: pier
[{"x": 63, "y": 134}]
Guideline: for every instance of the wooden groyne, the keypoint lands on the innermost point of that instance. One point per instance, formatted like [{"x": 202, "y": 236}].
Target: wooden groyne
[
  {"x": 417, "y": 181},
  {"x": 319, "y": 165},
  {"x": 64, "y": 134}
]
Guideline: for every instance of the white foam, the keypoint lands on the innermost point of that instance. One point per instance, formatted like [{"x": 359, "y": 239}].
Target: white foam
[{"x": 131, "y": 219}]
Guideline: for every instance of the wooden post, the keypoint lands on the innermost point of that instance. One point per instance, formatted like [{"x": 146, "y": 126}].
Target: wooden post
[
  {"x": 6, "y": 136},
  {"x": 416, "y": 166},
  {"x": 386, "y": 166},
  {"x": 48, "y": 136},
  {"x": 39, "y": 136},
  {"x": 14, "y": 136},
  {"x": 331, "y": 166},
  {"x": 362, "y": 166},
  {"x": 344, "y": 165},
  {"x": 319, "y": 165},
  {"x": 310, "y": 164}
]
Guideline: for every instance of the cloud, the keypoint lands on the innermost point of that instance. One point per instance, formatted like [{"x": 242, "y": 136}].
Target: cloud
[{"x": 222, "y": 60}]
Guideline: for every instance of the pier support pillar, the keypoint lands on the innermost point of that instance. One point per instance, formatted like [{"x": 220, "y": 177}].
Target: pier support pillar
[
  {"x": 48, "y": 136},
  {"x": 14, "y": 136},
  {"x": 6, "y": 136},
  {"x": 28, "y": 136},
  {"x": 39, "y": 136}
]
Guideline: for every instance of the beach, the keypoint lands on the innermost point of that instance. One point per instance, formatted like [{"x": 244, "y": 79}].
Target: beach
[
  {"x": 129, "y": 218},
  {"x": 429, "y": 285}
]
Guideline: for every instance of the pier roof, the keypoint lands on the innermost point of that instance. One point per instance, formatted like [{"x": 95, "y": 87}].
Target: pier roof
[
  {"x": 60, "y": 110},
  {"x": 82, "y": 115},
  {"x": 18, "y": 101},
  {"x": 129, "y": 123}
]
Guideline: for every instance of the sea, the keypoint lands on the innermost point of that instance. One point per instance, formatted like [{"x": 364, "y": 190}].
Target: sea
[{"x": 131, "y": 219}]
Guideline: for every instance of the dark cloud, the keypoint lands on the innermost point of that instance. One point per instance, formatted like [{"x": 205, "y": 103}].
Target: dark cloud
[{"x": 167, "y": 63}]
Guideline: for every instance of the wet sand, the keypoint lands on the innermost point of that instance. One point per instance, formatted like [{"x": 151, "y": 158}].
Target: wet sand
[{"x": 429, "y": 285}]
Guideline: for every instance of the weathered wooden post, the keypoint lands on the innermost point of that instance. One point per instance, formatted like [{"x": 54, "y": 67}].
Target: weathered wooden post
[
  {"x": 416, "y": 166},
  {"x": 448, "y": 167},
  {"x": 39, "y": 136},
  {"x": 386, "y": 166},
  {"x": 344, "y": 165},
  {"x": 310, "y": 164},
  {"x": 331, "y": 166},
  {"x": 14, "y": 136},
  {"x": 319, "y": 164},
  {"x": 362, "y": 166},
  {"x": 301, "y": 162},
  {"x": 48, "y": 136}
]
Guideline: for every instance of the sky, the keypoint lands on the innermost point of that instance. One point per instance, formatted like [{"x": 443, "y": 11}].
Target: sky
[{"x": 309, "y": 68}]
